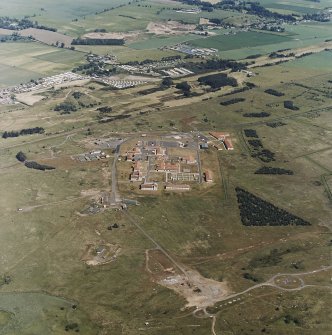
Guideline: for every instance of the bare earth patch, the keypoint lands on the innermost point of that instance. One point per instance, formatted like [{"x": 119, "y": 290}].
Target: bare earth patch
[
  {"x": 6, "y": 32},
  {"x": 29, "y": 98},
  {"x": 100, "y": 254},
  {"x": 169, "y": 28},
  {"x": 200, "y": 292}
]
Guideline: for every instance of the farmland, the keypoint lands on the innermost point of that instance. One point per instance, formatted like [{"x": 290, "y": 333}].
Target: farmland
[
  {"x": 23, "y": 61},
  {"x": 148, "y": 221},
  {"x": 241, "y": 40}
]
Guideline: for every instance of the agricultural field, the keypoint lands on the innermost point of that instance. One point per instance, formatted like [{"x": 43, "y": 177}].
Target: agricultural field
[
  {"x": 297, "y": 6},
  {"x": 89, "y": 245},
  {"x": 240, "y": 40},
  {"x": 21, "y": 62}
]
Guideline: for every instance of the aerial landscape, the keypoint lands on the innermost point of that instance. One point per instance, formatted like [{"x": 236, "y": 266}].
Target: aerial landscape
[{"x": 166, "y": 167}]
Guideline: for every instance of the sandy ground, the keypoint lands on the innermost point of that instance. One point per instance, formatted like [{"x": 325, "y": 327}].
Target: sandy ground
[
  {"x": 29, "y": 98},
  {"x": 46, "y": 36},
  {"x": 109, "y": 255},
  {"x": 203, "y": 20},
  {"x": 6, "y": 32},
  {"x": 200, "y": 292},
  {"x": 130, "y": 36},
  {"x": 169, "y": 28}
]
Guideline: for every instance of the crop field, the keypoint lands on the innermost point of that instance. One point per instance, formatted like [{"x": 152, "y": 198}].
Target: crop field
[
  {"x": 240, "y": 40},
  {"x": 194, "y": 18},
  {"x": 162, "y": 41},
  {"x": 299, "y": 6},
  {"x": 318, "y": 62},
  {"x": 123, "y": 19},
  {"x": 52, "y": 14},
  {"x": 21, "y": 62},
  {"x": 297, "y": 36}
]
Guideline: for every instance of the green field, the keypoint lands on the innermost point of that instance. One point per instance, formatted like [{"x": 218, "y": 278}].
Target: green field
[
  {"x": 53, "y": 13},
  {"x": 241, "y": 40},
  {"x": 302, "y": 35},
  {"x": 21, "y": 62},
  {"x": 128, "y": 18},
  {"x": 299, "y": 6},
  {"x": 155, "y": 42}
]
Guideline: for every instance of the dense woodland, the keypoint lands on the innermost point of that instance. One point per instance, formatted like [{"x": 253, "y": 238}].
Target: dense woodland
[
  {"x": 274, "y": 92},
  {"x": 290, "y": 105},
  {"x": 255, "y": 211},
  {"x": 215, "y": 64},
  {"x": 257, "y": 148},
  {"x": 250, "y": 133},
  {"x": 20, "y": 156},
  {"x": 217, "y": 80}
]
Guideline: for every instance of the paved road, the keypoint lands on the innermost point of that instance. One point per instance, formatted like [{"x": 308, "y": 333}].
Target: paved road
[
  {"x": 115, "y": 197},
  {"x": 271, "y": 282}
]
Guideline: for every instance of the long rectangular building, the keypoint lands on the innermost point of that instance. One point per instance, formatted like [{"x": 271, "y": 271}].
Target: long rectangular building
[{"x": 177, "y": 187}]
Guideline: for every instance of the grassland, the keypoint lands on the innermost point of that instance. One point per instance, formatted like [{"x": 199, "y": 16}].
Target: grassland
[
  {"x": 202, "y": 230},
  {"x": 50, "y": 286}
]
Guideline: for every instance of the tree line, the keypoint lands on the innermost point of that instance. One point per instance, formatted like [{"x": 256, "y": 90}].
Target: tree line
[
  {"x": 232, "y": 101},
  {"x": 257, "y": 114},
  {"x": 274, "y": 92},
  {"x": 251, "y": 7},
  {"x": 20, "y": 24},
  {"x": 215, "y": 64},
  {"x": 21, "y": 156},
  {"x": 273, "y": 171},
  {"x": 98, "y": 41},
  {"x": 26, "y": 131}
]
